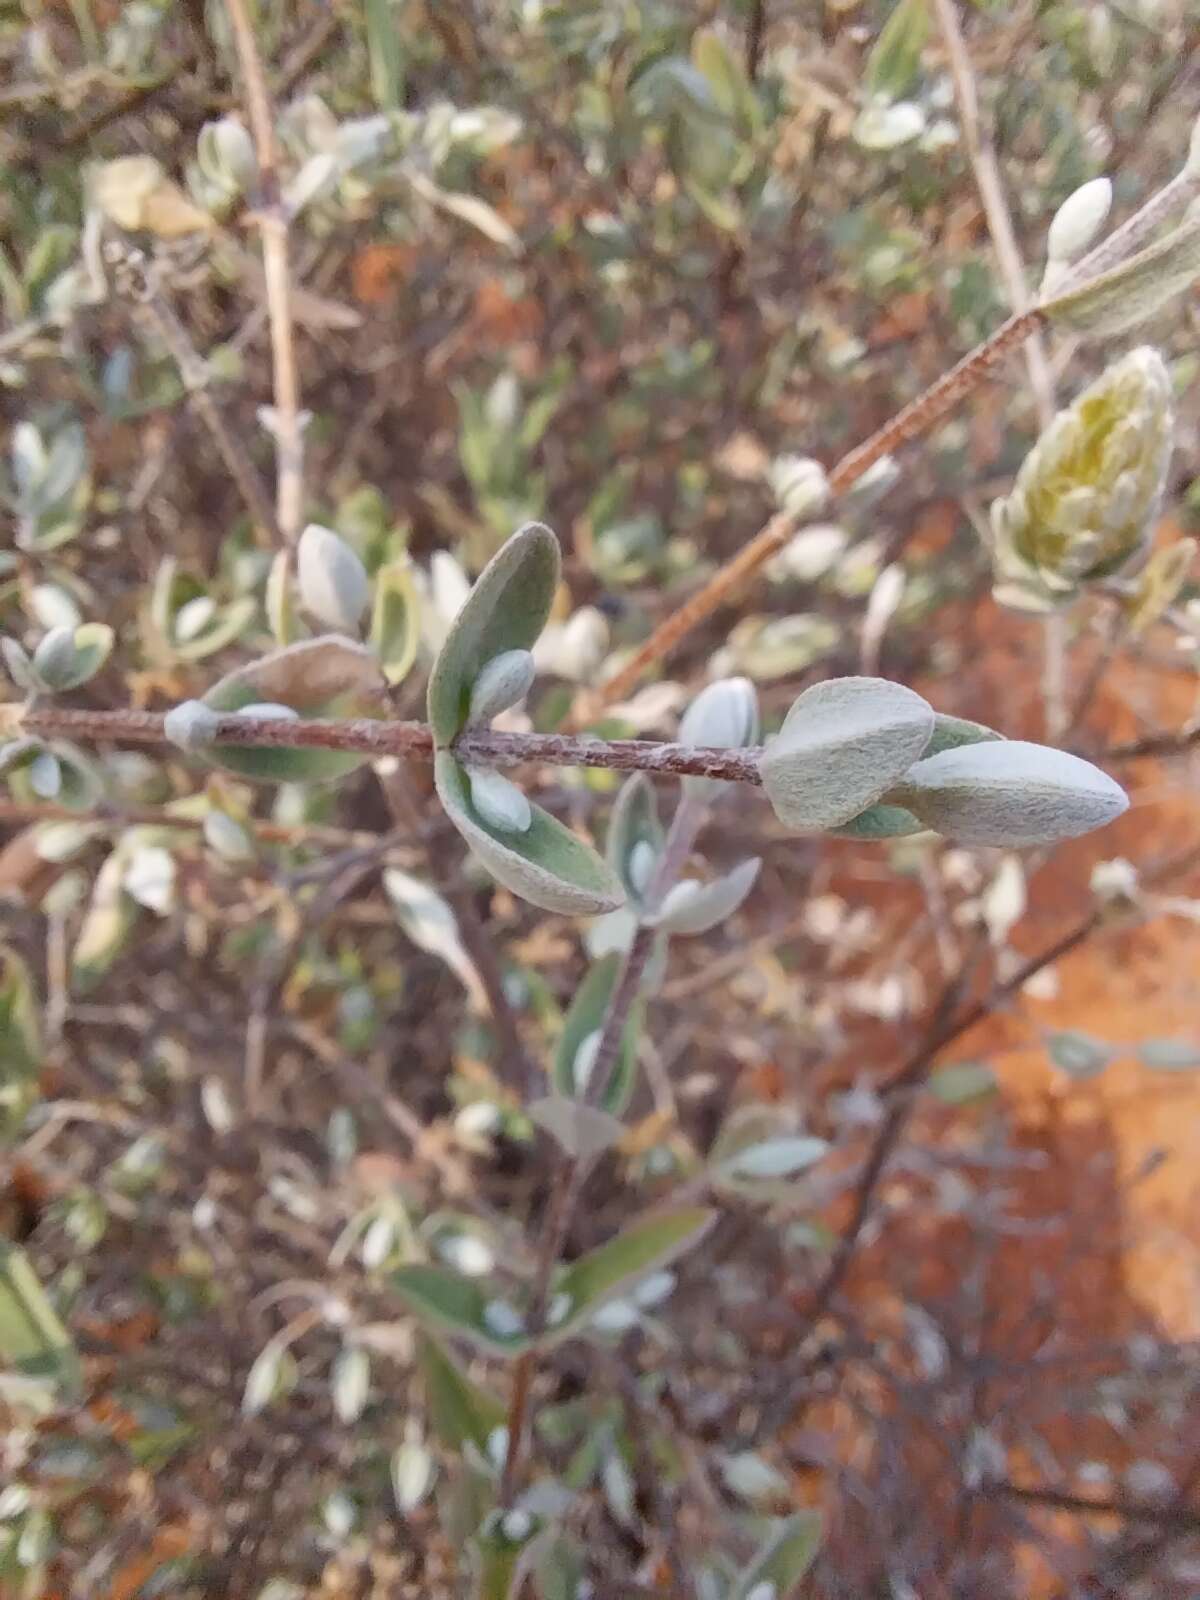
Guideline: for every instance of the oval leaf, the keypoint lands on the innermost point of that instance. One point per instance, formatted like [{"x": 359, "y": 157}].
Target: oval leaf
[
  {"x": 1133, "y": 291},
  {"x": 776, "y": 1158},
  {"x": 692, "y": 907},
  {"x": 506, "y": 610},
  {"x": 843, "y": 744},
  {"x": 395, "y": 621},
  {"x": 634, "y": 822},
  {"x": 325, "y": 677},
  {"x": 1011, "y": 793},
  {"x": 613, "y": 1268},
  {"x": 457, "y": 1304},
  {"x": 585, "y": 1016},
  {"x": 546, "y": 865},
  {"x": 459, "y": 1410}
]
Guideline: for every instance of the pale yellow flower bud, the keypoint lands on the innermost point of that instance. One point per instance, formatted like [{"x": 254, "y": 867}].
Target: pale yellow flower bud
[{"x": 1087, "y": 493}]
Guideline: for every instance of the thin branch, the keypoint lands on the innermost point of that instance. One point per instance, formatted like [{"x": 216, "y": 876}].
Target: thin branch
[
  {"x": 412, "y": 740},
  {"x": 1163, "y": 1516},
  {"x": 272, "y": 218},
  {"x": 908, "y": 424}
]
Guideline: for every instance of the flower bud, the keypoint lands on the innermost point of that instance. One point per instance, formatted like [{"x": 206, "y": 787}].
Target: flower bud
[
  {"x": 333, "y": 581},
  {"x": 191, "y": 725},
  {"x": 225, "y": 153},
  {"x": 1087, "y": 492},
  {"x": 722, "y": 716}
]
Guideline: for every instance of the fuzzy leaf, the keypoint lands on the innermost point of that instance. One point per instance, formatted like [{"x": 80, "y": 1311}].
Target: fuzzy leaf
[
  {"x": 458, "y": 1305},
  {"x": 1128, "y": 294},
  {"x": 613, "y": 1268},
  {"x": 783, "y": 1559},
  {"x": 506, "y": 610},
  {"x": 949, "y": 733},
  {"x": 962, "y": 1082},
  {"x": 546, "y": 864},
  {"x": 1077, "y": 1053},
  {"x": 333, "y": 582},
  {"x": 459, "y": 1410},
  {"x": 781, "y": 1157},
  {"x": 1170, "y": 1055},
  {"x": 584, "y": 1132},
  {"x": 692, "y": 907},
  {"x": 843, "y": 744},
  {"x": 585, "y": 1016},
  {"x": 880, "y": 822},
  {"x": 1011, "y": 793},
  {"x": 634, "y": 826},
  {"x": 724, "y": 715},
  {"x": 324, "y": 677}
]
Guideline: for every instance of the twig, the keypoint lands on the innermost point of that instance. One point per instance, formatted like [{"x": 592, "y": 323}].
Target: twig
[
  {"x": 1163, "y": 1516},
  {"x": 573, "y": 1171},
  {"x": 412, "y": 740},
  {"x": 1012, "y": 269},
  {"x": 908, "y": 424},
  {"x": 193, "y": 370},
  {"x": 271, "y": 216}
]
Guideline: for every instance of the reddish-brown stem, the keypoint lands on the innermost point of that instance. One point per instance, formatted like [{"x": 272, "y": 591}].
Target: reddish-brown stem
[
  {"x": 411, "y": 739},
  {"x": 910, "y": 423}
]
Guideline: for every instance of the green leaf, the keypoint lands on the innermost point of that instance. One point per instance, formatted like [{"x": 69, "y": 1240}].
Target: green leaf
[
  {"x": 547, "y": 864},
  {"x": 896, "y": 56},
  {"x": 324, "y": 677},
  {"x": 613, "y": 1268},
  {"x": 506, "y": 610},
  {"x": 32, "y": 1338},
  {"x": 1078, "y": 1054},
  {"x": 459, "y": 1305},
  {"x": 1133, "y": 291},
  {"x": 502, "y": 1561},
  {"x": 880, "y": 822},
  {"x": 20, "y": 1041},
  {"x": 1169, "y": 1055},
  {"x": 385, "y": 55},
  {"x": 395, "y": 621},
  {"x": 784, "y": 1558},
  {"x": 634, "y": 822},
  {"x": 585, "y": 1015},
  {"x": 951, "y": 732},
  {"x": 459, "y": 1410},
  {"x": 731, "y": 88},
  {"x": 962, "y": 1082}
]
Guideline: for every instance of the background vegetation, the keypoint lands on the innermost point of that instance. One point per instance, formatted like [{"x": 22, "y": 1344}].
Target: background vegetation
[{"x": 611, "y": 266}]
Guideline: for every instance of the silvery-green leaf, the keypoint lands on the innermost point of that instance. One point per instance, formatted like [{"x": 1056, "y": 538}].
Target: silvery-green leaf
[
  {"x": 880, "y": 126},
  {"x": 459, "y": 1306},
  {"x": 780, "y": 1157},
  {"x": 227, "y": 838},
  {"x": 506, "y": 610},
  {"x": 33, "y": 1339},
  {"x": 1133, "y": 291},
  {"x": 843, "y": 744},
  {"x": 18, "y": 665},
  {"x": 751, "y": 1478},
  {"x": 783, "y": 1560},
  {"x": 193, "y": 617},
  {"x": 547, "y": 864},
  {"x": 53, "y": 607},
  {"x": 334, "y": 585},
  {"x": 106, "y": 926},
  {"x": 584, "y": 1132},
  {"x": 585, "y": 1018},
  {"x": 724, "y": 715},
  {"x": 690, "y": 907},
  {"x": 395, "y": 620},
  {"x": 150, "y": 878},
  {"x": 1169, "y": 1055},
  {"x": 504, "y": 680},
  {"x": 612, "y": 1269},
  {"x": 54, "y": 658},
  {"x": 413, "y": 1470},
  {"x": 1078, "y": 220},
  {"x": 61, "y": 772},
  {"x": 498, "y": 802},
  {"x": 460, "y": 1412},
  {"x": 45, "y": 775},
  {"x": 1077, "y": 1053},
  {"x": 431, "y": 924},
  {"x": 1008, "y": 792},
  {"x": 635, "y": 834},
  {"x": 191, "y": 725},
  {"x": 350, "y": 1383},
  {"x": 324, "y": 677},
  {"x": 502, "y": 1553},
  {"x": 272, "y": 1373},
  {"x": 315, "y": 179}
]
